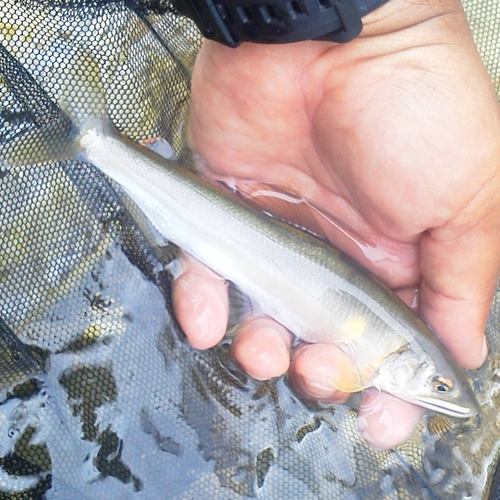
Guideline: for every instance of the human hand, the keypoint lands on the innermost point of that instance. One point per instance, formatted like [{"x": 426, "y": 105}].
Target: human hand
[{"x": 395, "y": 137}]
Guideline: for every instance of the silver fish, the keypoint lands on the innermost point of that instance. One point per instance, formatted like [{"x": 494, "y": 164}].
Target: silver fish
[{"x": 311, "y": 288}]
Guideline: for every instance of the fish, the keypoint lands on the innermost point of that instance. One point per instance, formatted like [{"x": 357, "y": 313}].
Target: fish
[{"x": 306, "y": 284}]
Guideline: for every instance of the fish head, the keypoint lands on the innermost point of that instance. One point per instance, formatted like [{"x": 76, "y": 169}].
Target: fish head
[{"x": 437, "y": 385}]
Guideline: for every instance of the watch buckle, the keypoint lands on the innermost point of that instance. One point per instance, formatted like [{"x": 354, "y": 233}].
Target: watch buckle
[{"x": 351, "y": 22}]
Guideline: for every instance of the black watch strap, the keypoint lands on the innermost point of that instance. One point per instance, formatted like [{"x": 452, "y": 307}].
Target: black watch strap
[{"x": 277, "y": 21}]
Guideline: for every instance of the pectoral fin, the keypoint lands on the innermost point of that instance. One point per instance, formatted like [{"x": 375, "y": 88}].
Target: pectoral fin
[
  {"x": 349, "y": 376},
  {"x": 360, "y": 379}
]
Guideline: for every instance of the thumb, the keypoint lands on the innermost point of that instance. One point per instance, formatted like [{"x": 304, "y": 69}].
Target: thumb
[{"x": 459, "y": 280}]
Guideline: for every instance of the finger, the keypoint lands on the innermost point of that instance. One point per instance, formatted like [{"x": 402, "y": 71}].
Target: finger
[
  {"x": 262, "y": 348},
  {"x": 459, "y": 279},
  {"x": 200, "y": 302},
  {"x": 319, "y": 371},
  {"x": 385, "y": 421}
]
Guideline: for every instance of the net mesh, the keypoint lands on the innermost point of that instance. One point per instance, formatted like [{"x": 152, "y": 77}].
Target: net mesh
[{"x": 101, "y": 396}]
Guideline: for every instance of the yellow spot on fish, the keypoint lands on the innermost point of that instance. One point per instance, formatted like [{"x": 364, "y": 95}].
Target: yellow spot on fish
[{"x": 353, "y": 327}]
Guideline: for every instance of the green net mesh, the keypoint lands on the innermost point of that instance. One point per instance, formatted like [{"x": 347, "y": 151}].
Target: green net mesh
[{"x": 101, "y": 396}]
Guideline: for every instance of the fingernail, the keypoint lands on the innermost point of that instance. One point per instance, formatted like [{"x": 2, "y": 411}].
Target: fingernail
[
  {"x": 204, "y": 322},
  {"x": 200, "y": 165},
  {"x": 484, "y": 352},
  {"x": 385, "y": 421},
  {"x": 375, "y": 422}
]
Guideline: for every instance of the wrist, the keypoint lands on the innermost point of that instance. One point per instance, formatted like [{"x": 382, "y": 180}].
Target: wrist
[
  {"x": 401, "y": 15},
  {"x": 418, "y": 22}
]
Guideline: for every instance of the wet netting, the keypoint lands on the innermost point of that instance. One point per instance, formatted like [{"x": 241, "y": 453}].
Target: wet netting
[{"x": 100, "y": 394}]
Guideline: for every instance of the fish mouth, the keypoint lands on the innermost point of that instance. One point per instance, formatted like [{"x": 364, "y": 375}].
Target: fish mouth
[{"x": 448, "y": 407}]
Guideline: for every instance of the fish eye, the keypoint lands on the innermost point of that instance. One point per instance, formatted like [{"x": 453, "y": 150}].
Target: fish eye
[{"x": 442, "y": 384}]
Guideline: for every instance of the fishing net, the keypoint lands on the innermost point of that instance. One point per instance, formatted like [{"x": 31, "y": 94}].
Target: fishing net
[{"x": 100, "y": 394}]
